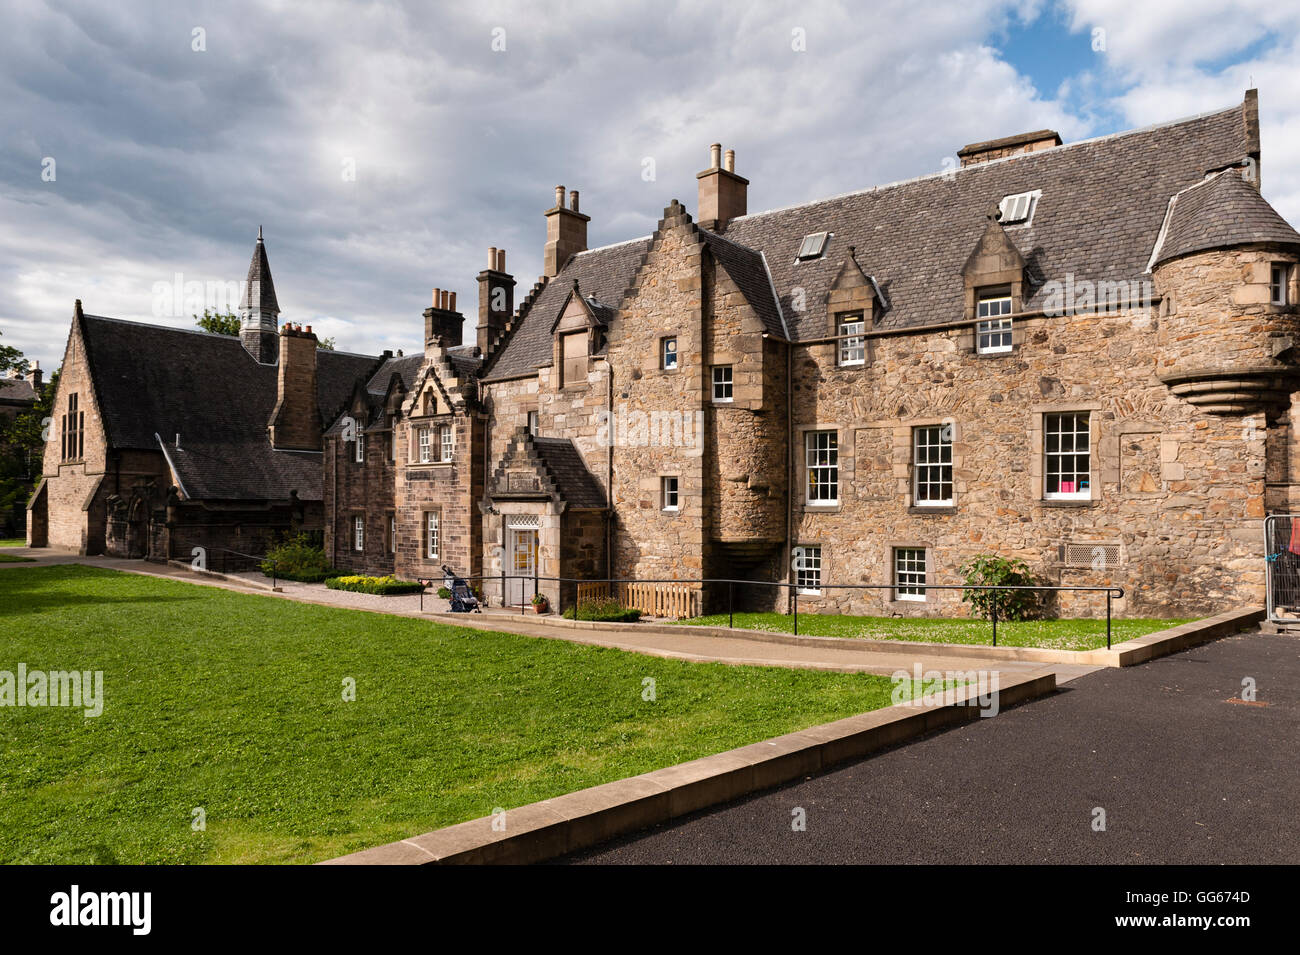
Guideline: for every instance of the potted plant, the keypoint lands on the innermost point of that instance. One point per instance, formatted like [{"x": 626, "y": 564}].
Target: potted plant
[{"x": 540, "y": 603}]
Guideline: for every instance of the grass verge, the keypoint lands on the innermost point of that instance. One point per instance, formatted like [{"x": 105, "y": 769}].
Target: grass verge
[
  {"x": 1048, "y": 634},
  {"x": 233, "y": 704}
]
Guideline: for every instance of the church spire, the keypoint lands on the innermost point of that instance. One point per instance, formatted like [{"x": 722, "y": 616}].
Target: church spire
[{"x": 259, "y": 311}]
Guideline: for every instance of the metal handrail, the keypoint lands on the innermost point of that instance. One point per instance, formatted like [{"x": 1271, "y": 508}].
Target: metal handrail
[
  {"x": 260, "y": 558},
  {"x": 1112, "y": 592}
]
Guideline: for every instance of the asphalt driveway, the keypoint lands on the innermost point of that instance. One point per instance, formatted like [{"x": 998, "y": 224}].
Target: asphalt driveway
[{"x": 1183, "y": 776}]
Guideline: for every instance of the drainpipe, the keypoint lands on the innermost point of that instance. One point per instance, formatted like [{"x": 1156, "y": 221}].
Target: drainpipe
[
  {"x": 609, "y": 466},
  {"x": 789, "y": 464}
]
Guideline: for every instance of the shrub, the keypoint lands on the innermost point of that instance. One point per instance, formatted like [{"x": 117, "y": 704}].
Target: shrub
[
  {"x": 298, "y": 558},
  {"x": 444, "y": 593},
  {"x": 606, "y": 611},
  {"x": 383, "y": 586},
  {"x": 990, "y": 570}
]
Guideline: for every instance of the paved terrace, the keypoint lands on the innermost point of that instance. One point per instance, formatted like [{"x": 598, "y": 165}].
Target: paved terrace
[{"x": 688, "y": 645}]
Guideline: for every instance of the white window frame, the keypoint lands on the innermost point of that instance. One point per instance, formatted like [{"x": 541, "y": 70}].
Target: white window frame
[
  {"x": 808, "y": 574},
  {"x": 533, "y": 423},
  {"x": 1009, "y": 203},
  {"x": 907, "y": 577},
  {"x": 1054, "y": 426},
  {"x": 932, "y": 465},
  {"x": 667, "y": 350},
  {"x": 1278, "y": 284},
  {"x": 853, "y": 351},
  {"x": 669, "y": 492},
  {"x": 432, "y": 534},
  {"x": 361, "y": 448},
  {"x": 724, "y": 379},
  {"x": 358, "y": 533},
  {"x": 822, "y": 467},
  {"x": 446, "y": 444},
  {"x": 993, "y": 330},
  {"x": 424, "y": 437}
]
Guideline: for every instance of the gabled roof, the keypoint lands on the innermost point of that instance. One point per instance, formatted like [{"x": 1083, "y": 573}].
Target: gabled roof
[
  {"x": 577, "y": 486},
  {"x": 603, "y": 274},
  {"x": 559, "y": 472},
  {"x": 153, "y": 380},
  {"x": 748, "y": 269},
  {"x": 1220, "y": 212},
  {"x": 1102, "y": 205},
  {"x": 247, "y": 471}
]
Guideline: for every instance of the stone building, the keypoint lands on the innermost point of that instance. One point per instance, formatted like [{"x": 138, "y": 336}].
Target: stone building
[
  {"x": 1082, "y": 355},
  {"x": 168, "y": 439}
]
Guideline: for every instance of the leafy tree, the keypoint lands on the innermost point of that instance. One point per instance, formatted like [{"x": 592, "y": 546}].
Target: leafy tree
[
  {"x": 990, "y": 570},
  {"x": 11, "y": 359},
  {"x": 218, "y": 323},
  {"x": 22, "y": 450},
  {"x": 326, "y": 343}
]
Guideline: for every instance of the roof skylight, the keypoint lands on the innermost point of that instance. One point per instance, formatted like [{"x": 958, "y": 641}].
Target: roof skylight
[
  {"x": 813, "y": 246},
  {"x": 1019, "y": 208}
]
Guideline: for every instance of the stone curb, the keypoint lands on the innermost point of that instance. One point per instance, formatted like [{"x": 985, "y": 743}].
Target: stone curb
[
  {"x": 228, "y": 578},
  {"x": 1129, "y": 653},
  {"x": 578, "y": 820}
]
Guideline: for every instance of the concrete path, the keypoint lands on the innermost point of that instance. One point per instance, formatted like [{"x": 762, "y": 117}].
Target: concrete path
[
  {"x": 688, "y": 645},
  {"x": 1185, "y": 775}
]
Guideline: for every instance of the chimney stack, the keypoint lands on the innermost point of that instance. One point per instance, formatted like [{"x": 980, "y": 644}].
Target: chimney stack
[
  {"x": 442, "y": 323},
  {"x": 496, "y": 298},
  {"x": 992, "y": 149},
  {"x": 295, "y": 423},
  {"x": 38, "y": 377},
  {"x": 566, "y": 233},
  {"x": 722, "y": 194}
]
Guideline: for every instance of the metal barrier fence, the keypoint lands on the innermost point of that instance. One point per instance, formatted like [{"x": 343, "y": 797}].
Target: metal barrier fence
[
  {"x": 230, "y": 561},
  {"x": 586, "y": 587},
  {"x": 1282, "y": 566}
]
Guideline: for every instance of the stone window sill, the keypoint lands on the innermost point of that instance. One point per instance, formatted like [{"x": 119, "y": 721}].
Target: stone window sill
[
  {"x": 1092, "y": 502},
  {"x": 938, "y": 511}
]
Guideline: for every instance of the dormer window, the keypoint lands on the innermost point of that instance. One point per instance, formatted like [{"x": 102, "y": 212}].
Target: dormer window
[
  {"x": 813, "y": 246},
  {"x": 993, "y": 328},
  {"x": 853, "y": 347},
  {"x": 573, "y": 352},
  {"x": 1019, "y": 208}
]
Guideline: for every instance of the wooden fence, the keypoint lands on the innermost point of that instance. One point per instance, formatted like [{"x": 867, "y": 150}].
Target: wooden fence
[{"x": 654, "y": 600}]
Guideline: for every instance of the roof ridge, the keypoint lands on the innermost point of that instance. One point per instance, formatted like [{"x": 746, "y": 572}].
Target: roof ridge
[{"x": 950, "y": 173}]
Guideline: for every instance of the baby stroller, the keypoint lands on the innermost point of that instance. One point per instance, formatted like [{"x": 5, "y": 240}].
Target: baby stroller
[{"x": 462, "y": 598}]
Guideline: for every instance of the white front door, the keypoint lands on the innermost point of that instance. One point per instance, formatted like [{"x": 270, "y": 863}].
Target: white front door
[{"x": 522, "y": 557}]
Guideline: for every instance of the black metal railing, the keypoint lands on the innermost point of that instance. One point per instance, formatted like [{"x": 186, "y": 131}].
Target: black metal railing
[
  {"x": 1112, "y": 593},
  {"x": 229, "y": 561}
]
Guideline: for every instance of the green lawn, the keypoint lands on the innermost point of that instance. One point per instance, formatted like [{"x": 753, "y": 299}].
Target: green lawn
[
  {"x": 15, "y": 559},
  {"x": 1050, "y": 634},
  {"x": 13, "y": 542},
  {"x": 233, "y": 703}
]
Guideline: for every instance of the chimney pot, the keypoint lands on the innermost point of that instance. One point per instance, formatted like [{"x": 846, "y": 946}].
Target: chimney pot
[
  {"x": 731, "y": 160},
  {"x": 573, "y": 199},
  {"x": 559, "y": 196},
  {"x": 492, "y": 256},
  {"x": 501, "y": 260},
  {"x": 451, "y": 305},
  {"x": 437, "y": 293},
  {"x": 715, "y": 155}
]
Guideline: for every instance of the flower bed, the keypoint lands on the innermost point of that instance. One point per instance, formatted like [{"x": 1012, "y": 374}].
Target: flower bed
[{"x": 382, "y": 586}]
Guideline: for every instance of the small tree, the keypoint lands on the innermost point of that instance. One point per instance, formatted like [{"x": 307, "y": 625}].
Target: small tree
[
  {"x": 990, "y": 570},
  {"x": 218, "y": 323}
]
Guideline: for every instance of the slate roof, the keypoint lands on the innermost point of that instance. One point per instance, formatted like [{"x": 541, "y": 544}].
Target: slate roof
[
  {"x": 748, "y": 269},
  {"x": 603, "y": 274},
  {"x": 577, "y": 486},
  {"x": 1218, "y": 213},
  {"x": 464, "y": 360},
  {"x": 259, "y": 278},
  {"x": 1102, "y": 207},
  {"x": 405, "y": 367},
  {"x": 150, "y": 379},
  {"x": 16, "y": 391}
]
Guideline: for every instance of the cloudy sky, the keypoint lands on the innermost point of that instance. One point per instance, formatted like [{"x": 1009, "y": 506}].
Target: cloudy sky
[{"x": 144, "y": 140}]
